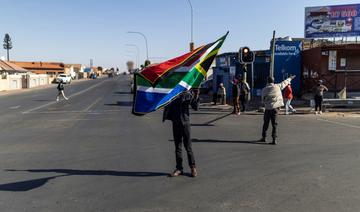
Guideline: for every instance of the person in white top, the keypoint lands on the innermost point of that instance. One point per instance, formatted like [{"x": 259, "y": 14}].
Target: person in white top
[
  {"x": 222, "y": 94},
  {"x": 273, "y": 100}
]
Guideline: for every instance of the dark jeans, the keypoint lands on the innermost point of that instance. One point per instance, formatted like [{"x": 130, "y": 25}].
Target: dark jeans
[
  {"x": 318, "y": 102},
  {"x": 215, "y": 96},
  {"x": 270, "y": 115},
  {"x": 181, "y": 134},
  {"x": 243, "y": 101}
]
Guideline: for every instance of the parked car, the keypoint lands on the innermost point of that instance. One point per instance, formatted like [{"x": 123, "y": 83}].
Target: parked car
[{"x": 65, "y": 78}]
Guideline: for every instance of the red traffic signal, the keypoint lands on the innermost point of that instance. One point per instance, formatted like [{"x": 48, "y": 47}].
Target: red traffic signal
[{"x": 246, "y": 55}]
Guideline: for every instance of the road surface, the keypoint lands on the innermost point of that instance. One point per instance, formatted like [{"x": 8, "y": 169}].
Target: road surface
[{"x": 91, "y": 154}]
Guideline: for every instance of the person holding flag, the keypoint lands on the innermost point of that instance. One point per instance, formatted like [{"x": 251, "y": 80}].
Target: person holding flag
[
  {"x": 173, "y": 85},
  {"x": 178, "y": 113}
]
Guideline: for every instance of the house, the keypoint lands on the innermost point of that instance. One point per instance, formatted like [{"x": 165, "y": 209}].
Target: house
[
  {"x": 11, "y": 76},
  {"x": 50, "y": 68},
  {"x": 75, "y": 70},
  {"x": 11, "y": 68},
  {"x": 338, "y": 65}
]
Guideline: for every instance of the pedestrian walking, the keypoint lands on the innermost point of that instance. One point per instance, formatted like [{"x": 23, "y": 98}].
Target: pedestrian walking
[
  {"x": 60, "y": 89},
  {"x": 244, "y": 93},
  {"x": 288, "y": 97},
  {"x": 222, "y": 94},
  {"x": 178, "y": 112},
  {"x": 319, "y": 96},
  {"x": 272, "y": 99},
  {"x": 235, "y": 96}
]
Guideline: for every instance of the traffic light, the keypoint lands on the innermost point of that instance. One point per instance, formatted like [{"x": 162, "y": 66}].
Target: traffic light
[{"x": 246, "y": 55}]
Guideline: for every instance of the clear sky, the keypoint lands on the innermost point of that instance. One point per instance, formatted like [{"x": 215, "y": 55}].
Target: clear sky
[{"x": 73, "y": 31}]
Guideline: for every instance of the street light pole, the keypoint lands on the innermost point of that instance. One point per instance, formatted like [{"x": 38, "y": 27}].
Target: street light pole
[
  {"x": 138, "y": 53},
  {"x": 146, "y": 43},
  {"x": 192, "y": 26},
  {"x": 272, "y": 64}
]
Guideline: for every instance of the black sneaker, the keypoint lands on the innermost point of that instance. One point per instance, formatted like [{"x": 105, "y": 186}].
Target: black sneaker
[{"x": 262, "y": 140}]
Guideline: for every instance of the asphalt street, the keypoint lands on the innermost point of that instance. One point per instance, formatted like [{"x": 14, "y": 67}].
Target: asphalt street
[{"x": 91, "y": 154}]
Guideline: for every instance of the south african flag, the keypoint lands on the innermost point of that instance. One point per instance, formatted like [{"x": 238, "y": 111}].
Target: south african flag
[{"x": 157, "y": 85}]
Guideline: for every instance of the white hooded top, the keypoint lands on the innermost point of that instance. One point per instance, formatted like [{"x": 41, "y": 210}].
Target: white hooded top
[{"x": 271, "y": 95}]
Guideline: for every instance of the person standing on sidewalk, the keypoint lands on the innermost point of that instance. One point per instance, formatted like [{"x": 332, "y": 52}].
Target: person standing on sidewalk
[
  {"x": 272, "y": 99},
  {"x": 319, "y": 96},
  {"x": 60, "y": 89},
  {"x": 235, "y": 96},
  {"x": 288, "y": 96},
  {"x": 244, "y": 93},
  {"x": 222, "y": 94},
  {"x": 178, "y": 112}
]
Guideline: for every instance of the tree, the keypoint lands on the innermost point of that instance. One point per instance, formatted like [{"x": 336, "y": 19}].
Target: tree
[
  {"x": 7, "y": 44},
  {"x": 147, "y": 63},
  {"x": 130, "y": 66}
]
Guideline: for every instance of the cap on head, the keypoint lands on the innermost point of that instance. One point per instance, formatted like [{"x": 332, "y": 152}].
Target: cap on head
[{"x": 270, "y": 80}]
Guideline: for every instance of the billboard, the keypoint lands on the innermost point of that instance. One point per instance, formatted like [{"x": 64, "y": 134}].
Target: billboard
[
  {"x": 332, "y": 21},
  {"x": 288, "y": 62}
]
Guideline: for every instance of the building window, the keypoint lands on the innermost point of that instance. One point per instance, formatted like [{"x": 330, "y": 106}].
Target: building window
[{"x": 332, "y": 60}]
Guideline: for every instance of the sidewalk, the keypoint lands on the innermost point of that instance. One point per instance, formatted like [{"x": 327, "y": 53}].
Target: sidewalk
[
  {"x": 24, "y": 90},
  {"x": 255, "y": 106}
]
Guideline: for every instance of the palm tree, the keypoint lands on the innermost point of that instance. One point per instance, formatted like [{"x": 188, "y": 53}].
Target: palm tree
[{"x": 7, "y": 44}]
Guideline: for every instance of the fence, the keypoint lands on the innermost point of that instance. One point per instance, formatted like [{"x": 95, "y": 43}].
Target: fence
[{"x": 10, "y": 82}]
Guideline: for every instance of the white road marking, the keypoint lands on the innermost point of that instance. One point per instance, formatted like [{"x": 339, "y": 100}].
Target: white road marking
[
  {"x": 339, "y": 123},
  {"x": 66, "y": 120},
  {"x": 15, "y": 107},
  {"x": 74, "y": 111},
  {"x": 71, "y": 96},
  {"x": 92, "y": 104}
]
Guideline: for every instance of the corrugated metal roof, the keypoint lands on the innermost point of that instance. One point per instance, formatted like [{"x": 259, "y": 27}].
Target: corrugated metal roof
[
  {"x": 40, "y": 65},
  {"x": 10, "y": 67}
]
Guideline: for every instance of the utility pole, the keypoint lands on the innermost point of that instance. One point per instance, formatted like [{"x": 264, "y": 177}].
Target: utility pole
[
  {"x": 346, "y": 74},
  {"x": 252, "y": 78},
  {"x": 272, "y": 64},
  {"x": 245, "y": 72},
  {"x": 192, "y": 26}
]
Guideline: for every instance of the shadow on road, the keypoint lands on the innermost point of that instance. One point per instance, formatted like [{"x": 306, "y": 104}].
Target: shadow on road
[
  {"x": 195, "y": 140},
  {"x": 26, "y": 185},
  {"x": 36, "y": 183},
  {"x": 43, "y": 100},
  {"x": 121, "y": 104},
  {"x": 210, "y": 123},
  {"x": 209, "y": 113},
  {"x": 122, "y": 92},
  {"x": 226, "y": 141},
  {"x": 202, "y": 125}
]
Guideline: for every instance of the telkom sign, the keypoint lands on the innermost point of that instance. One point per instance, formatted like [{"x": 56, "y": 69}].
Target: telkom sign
[{"x": 288, "y": 62}]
